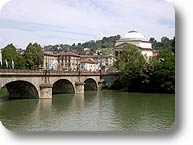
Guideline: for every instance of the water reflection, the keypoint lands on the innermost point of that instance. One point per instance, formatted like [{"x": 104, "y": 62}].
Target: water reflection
[
  {"x": 62, "y": 102},
  {"x": 16, "y": 112},
  {"x": 144, "y": 112},
  {"x": 92, "y": 111},
  {"x": 78, "y": 101},
  {"x": 91, "y": 98},
  {"x": 43, "y": 109}
]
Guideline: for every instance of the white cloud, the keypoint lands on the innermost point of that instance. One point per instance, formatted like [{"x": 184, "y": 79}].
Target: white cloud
[
  {"x": 2, "y": 3},
  {"x": 68, "y": 19}
]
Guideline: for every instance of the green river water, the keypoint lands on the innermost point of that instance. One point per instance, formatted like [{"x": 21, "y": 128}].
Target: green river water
[{"x": 92, "y": 111}]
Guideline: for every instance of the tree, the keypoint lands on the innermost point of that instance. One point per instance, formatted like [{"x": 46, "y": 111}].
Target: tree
[
  {"x": 154, "y": 43},
  {"x": 131, "y": 65},
  {"x": 163, "y": 75},
  {"x": 9, "y": 54},
  {"x": 33, "y": 56},
  {"x": 173, "y": 45},
  {"x": 165, "y": 42}
]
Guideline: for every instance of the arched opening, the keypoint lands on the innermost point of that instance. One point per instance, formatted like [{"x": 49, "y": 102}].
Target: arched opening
[
  {"x": 90, "y": 84},
  {"x": 21, "y": 89},
  {"x": 63, "y": 87}
]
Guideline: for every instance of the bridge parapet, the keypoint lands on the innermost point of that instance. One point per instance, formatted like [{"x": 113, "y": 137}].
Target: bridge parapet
[{"x": 15, "y": 72}]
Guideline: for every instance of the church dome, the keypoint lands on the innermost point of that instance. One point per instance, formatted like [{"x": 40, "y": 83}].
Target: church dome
[{"x": 133, "y": 35}]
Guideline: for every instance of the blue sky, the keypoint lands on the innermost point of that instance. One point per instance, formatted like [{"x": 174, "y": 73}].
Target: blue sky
[{"x": 73, "y": 21}]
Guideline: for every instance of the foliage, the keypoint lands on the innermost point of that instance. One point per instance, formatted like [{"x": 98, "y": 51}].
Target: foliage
[
  {"x": 9, "y": 53},
  {"x": 33, "y": 56},
  {"x": 163, "y": 76},
  {"x": 164, "y": 44},
  {"x": 106, "y": 51},
  {"x": 131, "y": 65},
  {"x": 141, "y": 74},
  {"x": 106, "y": 42}
]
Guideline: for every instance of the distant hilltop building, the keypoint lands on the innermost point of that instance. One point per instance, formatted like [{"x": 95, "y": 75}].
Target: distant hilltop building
[
  {"x": 134, "y": 38},
  {"x": 87, "y": 50}
]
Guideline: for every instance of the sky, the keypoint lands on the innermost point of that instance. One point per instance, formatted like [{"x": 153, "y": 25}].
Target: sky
[{"x": 73, "y": 21}]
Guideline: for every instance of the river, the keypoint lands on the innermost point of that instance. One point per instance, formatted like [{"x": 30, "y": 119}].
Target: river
[{"x": 93, "y": 111}]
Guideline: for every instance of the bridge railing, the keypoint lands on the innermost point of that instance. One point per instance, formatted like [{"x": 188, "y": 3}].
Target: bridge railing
[
  {"x": 19, "y": 71},
  {"x": 52, "y": 72},
  {"x": 41, "y": 71}
]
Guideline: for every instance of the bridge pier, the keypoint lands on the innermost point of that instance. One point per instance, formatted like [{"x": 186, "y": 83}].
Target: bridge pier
[
  {"x": 101, "y": 84},
  {"x": 79, "y": 88},
  {"x": 46, "y": 91}
]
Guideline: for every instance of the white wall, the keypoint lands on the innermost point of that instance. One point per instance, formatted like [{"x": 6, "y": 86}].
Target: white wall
[
  {"x": 145, "y": 45},
  {"x": 148, "y": 53},
  {"x": 136, "y": 43},
  {"x": 91, "y": 67}
]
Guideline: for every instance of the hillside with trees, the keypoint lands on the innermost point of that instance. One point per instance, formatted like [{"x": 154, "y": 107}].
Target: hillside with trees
[{"x": 105, "y": 42}]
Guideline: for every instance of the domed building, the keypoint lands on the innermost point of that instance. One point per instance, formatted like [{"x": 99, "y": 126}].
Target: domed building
[{"x": 134, "y": 38}]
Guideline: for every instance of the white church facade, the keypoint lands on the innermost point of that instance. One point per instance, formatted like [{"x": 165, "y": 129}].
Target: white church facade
[{"x": 134, "y": 38}]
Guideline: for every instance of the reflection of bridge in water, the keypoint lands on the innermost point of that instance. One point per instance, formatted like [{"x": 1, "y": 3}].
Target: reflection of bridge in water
[
  {"x": 42, "y": 84},
  {"x": 37, "y": 113}
]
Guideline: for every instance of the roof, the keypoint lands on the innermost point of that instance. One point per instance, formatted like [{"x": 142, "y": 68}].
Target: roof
[
  {"x": 121, "y": 46},
  {"x": 133, "y": 35},
  {"x": 48, "y": 53},
  {"x": 90, "y": 61},
  {"x": 68, "y": 54},
  {"x": 96, "y": 56}
]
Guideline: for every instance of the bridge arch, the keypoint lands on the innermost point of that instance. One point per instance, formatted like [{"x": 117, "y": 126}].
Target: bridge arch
[
  {"x": 63, "y": 86},
  {"x": 90, "y": 84},
  {"x": 21, "y": 89}
]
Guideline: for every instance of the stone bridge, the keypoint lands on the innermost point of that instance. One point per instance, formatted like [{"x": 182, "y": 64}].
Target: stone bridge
[{"x": 34, "y": 84}]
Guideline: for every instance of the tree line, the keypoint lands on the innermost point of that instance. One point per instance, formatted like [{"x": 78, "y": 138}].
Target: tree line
[
  {"x": 31, "y": 58},
  {"x": 105, "y": 42},
  {"x": 163, "y": 44}
]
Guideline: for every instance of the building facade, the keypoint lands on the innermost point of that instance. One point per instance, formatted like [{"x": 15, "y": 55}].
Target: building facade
[
  {"x": 104, "y": 62},
  {"x": 68, "y": 61},
  {"x": 50, "y": 60},
  {"x": 89, "y": 65},
  {"x": 137, "y": 39}
]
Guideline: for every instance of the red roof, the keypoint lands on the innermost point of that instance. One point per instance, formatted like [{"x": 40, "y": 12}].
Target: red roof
[
  {"x": 96, "y": 56},
  {"x": 68, "y": 54},
  {"x": 90, "y": 61},
  {"x": 48, "y": 53}
]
